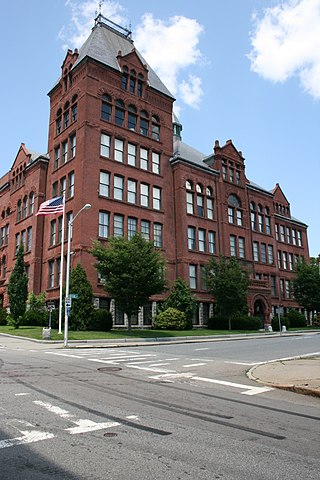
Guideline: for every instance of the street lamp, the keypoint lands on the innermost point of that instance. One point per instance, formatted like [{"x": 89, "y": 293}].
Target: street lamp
[{"x": 68, "y": 301}]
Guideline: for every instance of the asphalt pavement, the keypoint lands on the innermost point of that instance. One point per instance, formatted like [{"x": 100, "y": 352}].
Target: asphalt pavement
[{"x": 298, "y": 374}]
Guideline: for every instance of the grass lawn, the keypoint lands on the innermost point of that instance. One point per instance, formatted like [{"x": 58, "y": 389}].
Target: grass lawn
[{"x": 36, "y": 333}]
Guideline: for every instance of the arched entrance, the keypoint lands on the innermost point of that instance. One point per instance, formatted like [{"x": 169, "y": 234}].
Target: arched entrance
[{"x": 259, "y": 310}]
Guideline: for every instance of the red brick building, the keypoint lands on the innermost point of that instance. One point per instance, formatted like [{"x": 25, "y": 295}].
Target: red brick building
[{"x": 115, "y": 143}]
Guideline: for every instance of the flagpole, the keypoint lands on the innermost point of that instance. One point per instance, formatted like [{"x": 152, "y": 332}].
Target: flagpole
[{"x": 61, "y": 264}]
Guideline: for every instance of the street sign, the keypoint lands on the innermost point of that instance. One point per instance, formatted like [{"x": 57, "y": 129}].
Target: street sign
[
  {"x": 74, "y": 295},
  {"x": 50, "y": 307},
  {"x": 68, "y": 302}
]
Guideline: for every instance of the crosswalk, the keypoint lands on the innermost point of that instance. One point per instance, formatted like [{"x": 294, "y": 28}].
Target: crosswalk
[{"x": 159, "y": 367}]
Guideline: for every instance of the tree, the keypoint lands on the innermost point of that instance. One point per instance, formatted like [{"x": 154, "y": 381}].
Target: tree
[
  {"x": 228, "y": 284},
  {"x": 133, "y": 271},
  {"x": 182, "y": 299},
  {"x": 18, "y": 288},
  {"x": 82, "y": 309},
  {"x": 306, "y": 285}
]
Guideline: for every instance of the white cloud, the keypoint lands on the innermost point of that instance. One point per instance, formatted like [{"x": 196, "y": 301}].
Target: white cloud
[
  {"x": 286, "y": 42},
  {"x": 191, "y": 91},
  {"x": 171, "y": 47}
]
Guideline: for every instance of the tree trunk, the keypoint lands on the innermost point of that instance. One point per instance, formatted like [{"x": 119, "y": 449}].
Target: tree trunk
[
  {"x": 129, "y": 322},
  {"x": 229, "y": 323}
]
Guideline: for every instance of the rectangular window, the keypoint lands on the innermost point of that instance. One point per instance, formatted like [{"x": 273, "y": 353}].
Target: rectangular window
[
  {"x": 157, "y": 235},
  {"x": 210, "y": 208},
  {"x": 132, "y": 154},
  {"x": 105, "y": 141},
  {"x": 2, "y": 237},
  {"x": 231, "y": 175},
  {"x": 66, "y": 119},
  {"x": 191, "y": 238},
  {"x": 145, "y": 229},
  {"x": 203, "y": 278},
  {"x": 270, "y": 254},
  {"x": 253, "y": 221},
  {"x": 279, "y": 259},
  {"x": 60, "y": 229},
  {"x": 193, "y": 276},
  {"x": 63, "y": 186},
  {"x": 104, "y": 184},
  {"x": 268, "y": 225},
  {"x": 294, "y": 238},
  {"x": 290, "y": 261},
  {"x": 55, "y": 189},
  {"x": 73, "y": 145},
  {"x": 118, "y": 225},
  {"x": 260, "y": 221},
  {"x": 156, "y": 198},
  {"x": 71, "y": 184},
  {"x": 287, "y": 289},
  {"x": 144, "y": 161},
  {"x": 189, "y": 199},
  {"x": 233, "y": 247},
  {"x": 132, "y": 191},
  {"x": 144, "y": 195},
  {"x": 212, "y": 242},
  {"x": 238, "y": 177},
  {"x": 17, "y": 241},
  {"x": 256, "y": 251},
  {"x": 24, "y": 238},
  {"x": 118, "y": 150},
  {"x": 239, "y": 218},
  {"x": 155, "y": 162},
  {"x": 263, "y": 251},
  {"x": 104, "y": 224},
  {"x": 285, "y": 260},
  {"x": 241, "y": 247},
  {"x": 282, "y": 238},
  {"x": 200, "y": 207},
  {"x": 118, "y": 187},
  {"x": 51, "y": 274},
  {"x": 53, "y": 232},
  {"x": 299, "y": 238},
  {"x": 64, "y": 152},
  {"x": 58, "y": 265},
  {"x": 202, "y": 240},
  {"x": 277, "y": 231},
  {"x": 273, "y": 285},
  {"x": 288, "y": 233},
  {"x": 224, "y": 172},
  {"x": 58, "y": 126},
  {"x": 132, "y": 227},
  {"x": 69, "y": 219},
  {"x": 230, "y": 215},
  {"x": 56, "y": 157},
  {"x": 282, "y": 287}
]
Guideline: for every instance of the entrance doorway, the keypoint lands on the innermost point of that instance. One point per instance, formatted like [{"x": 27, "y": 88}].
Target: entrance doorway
[{"x": 260, "y": 311}]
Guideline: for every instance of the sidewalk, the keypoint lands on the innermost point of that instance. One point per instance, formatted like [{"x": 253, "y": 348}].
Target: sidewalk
[{"x": 300, "y": 374}]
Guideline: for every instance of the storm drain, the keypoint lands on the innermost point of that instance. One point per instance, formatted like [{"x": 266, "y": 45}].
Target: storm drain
[{"x": 110, "y": 434}]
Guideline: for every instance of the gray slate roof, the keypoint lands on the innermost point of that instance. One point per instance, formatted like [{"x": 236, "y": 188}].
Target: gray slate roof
[
  {"x": 103, "y": 45},
  {"x": 191, "y": 155}
]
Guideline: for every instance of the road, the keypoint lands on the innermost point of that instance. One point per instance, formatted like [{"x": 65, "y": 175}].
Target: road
[{"x": 184, "y": 411}]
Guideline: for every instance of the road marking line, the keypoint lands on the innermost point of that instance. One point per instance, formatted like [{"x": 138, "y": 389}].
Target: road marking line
[
  {"x": 28, "y": 436},
  {"x": 159, "y": 370},
  {"x": 194, "y": 365},
  {"x": 158, "y": 364},
  {"x": 249, "y": 390},
  {"x": 204, "y": 348},
  {"x": 21, "y": 394},
  {"x": 172, "y": 375},
  {"x": 65, "y": 354}
]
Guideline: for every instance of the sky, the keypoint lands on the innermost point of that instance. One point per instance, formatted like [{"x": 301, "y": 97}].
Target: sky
[{"x": 245, "y": 70}]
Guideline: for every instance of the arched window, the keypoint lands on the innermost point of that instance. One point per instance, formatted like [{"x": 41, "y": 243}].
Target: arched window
[
  {"x": 234, "y": 210},
  {"x": 119, "y": 117},
  {"x": 155, "y": 129},
  {"x": 144, "y": 123},
  {"x": 66, "y": 115},
  {"x": 74, "y": 108},
  {"x": 132, "y": 81},
  {"x": 189, "y": 185},
  {"x": 25, "y": 207},
  {"x": 132, "y": 117},
  {"x": 200, "y": 200},
  {"x": 58, "y": 121},
  {"x": 19, "y": 210},
  {"x": 8, "y": 211},
  {"x": 106, "y": 108},
  {"x": 140, "y": 85},
  {"x": 124, "y": 78},
  {"x": 209, "y": 195},
  {"x": 31, "y": 203}
]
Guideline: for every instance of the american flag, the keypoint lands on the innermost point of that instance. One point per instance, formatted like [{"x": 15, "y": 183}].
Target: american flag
[{"x": 51, "y": 207}]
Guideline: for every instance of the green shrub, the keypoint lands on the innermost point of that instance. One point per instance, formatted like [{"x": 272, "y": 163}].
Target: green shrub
[
  {"x": 218, "y": 322},
  {"x": 275, "y": 323},
  {"x": 244, "y": 322},
  {"x": 35, "y": 318},
  {"x": 101, "y": 320},
  {"x": 14, "y": 322},
  {"x": 3, "y": 316},
  {"x": 171, "y": 319},
  {"x": 316, "y": 321},
  {"x": 296, "y": 319}
]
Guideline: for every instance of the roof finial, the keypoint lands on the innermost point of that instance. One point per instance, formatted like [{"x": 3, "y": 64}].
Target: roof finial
[{"x": 100, "y": 5}]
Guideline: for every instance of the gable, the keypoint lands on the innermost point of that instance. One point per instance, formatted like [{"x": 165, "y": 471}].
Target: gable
[{"x": 279, "y": 196}]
